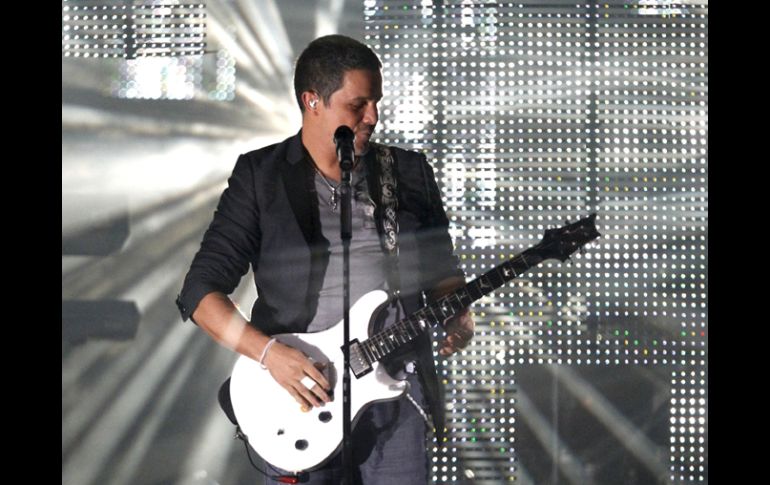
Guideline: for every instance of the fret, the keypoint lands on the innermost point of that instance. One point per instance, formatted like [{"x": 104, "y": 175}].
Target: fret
[
  {"x": 508, "y": 271},
  {"x": 367, "y": 352},
  {"x": 464, "y": 297},
  {"x": 392, "y": 339},
  {"x": 377, "y": 350},
  {"x": 411, "y": 335},
  {"x": 485, "y": 286},
  {"x": 414, "y": 328},
  {"x": 396, "y": 334},
  {"x": 403, "y": 327},
  {"x": 422, "y": 325},
  {"x": 380, "y": 344},
  {"x": 392, "y": 336},
  {"x": 445, "y": 308},
  {"x": 415, "y": 320},
  {"x": 402, "y": 332},
  {"x": 496, "y": 278},
  {"x": 522, "y": 264},
  {"x": 456, "y": 303},
  {"x": 373, "y": 349},
  {"x": 433, "y": 314},
  {"x": 421, "y": 315},
  {"x": 474, "y": 290},
  {"x": 448, "y": 307},
  {"x": 384, "y": 343},
  {"x": 523, "y": 258}
]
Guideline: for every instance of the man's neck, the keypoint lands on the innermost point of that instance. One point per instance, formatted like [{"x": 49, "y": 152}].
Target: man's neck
[{"x": 322, "y": 151}]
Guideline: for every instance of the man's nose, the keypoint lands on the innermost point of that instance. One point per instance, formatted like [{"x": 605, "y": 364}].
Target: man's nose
[{"x": 371, "y": 116}]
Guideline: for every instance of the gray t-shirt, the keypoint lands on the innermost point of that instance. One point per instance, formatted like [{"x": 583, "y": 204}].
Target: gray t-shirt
[{"x": 367, "y": 260}]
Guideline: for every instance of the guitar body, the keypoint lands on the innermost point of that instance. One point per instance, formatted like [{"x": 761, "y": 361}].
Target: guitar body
[{"x": 268, "y": 415}]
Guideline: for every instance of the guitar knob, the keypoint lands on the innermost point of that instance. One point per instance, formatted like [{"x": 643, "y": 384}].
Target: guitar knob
[{"x": 325, "y": 417}]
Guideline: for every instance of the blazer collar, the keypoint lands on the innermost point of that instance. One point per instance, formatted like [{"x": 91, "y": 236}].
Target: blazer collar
[{"x": 295, "y": 151}]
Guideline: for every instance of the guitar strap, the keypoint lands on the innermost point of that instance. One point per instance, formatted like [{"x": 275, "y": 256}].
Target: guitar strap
[
  {"x": 386, "y": 170},
  {"x": 386, "y": 164}
]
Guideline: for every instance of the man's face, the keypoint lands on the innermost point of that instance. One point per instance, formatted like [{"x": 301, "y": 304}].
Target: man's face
[{"x": 354, "y": 105}]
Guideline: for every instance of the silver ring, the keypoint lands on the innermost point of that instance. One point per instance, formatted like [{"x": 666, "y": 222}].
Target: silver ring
[{"x": 308, "y": 382}]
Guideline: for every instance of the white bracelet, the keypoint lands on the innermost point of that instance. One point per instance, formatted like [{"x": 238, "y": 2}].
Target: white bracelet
[{"x": 264, "y": 352}]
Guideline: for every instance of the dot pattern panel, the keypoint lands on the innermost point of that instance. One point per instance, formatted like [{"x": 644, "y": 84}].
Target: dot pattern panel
[
  {"x": 534, "y": 114},
  {"x": 109, "y": 28}
]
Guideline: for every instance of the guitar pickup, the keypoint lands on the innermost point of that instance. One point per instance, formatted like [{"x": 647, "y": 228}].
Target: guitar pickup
[{"x": 359, "y": 363}]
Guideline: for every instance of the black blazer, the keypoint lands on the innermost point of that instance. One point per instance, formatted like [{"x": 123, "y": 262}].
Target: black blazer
[{"x": 268, "y": 217}]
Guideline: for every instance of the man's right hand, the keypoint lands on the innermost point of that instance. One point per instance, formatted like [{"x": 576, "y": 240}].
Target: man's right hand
[
  {"x": 289, "y": 367},
  {"x": 217, "y": 315}
]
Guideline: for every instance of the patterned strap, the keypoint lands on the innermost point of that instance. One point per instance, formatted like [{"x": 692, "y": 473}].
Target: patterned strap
[{"x": 389, "y": 204}]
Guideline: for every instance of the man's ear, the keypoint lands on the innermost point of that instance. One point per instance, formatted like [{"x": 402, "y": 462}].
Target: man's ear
[{"x": 310, "y": 100}]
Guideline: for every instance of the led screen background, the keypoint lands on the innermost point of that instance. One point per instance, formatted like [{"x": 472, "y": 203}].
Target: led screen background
[{"x": 539, "y": 113}]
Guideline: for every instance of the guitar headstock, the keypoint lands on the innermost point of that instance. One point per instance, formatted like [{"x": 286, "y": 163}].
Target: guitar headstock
[{"x": 562, "y": 242}]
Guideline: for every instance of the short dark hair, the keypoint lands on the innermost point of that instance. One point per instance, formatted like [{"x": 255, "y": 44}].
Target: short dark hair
[{"x": 323, "y": 64}]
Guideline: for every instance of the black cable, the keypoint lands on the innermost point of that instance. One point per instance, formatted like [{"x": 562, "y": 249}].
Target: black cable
[{"x": 279, "y": 478}]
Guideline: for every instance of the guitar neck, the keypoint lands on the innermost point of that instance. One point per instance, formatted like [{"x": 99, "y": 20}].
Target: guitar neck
[{"x": 391, "y": 339}]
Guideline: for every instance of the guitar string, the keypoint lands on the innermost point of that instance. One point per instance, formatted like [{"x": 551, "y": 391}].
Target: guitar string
[
  {"x": 517, "y": 259},
  {"x": 380, "y": 335},
  {"x": 438, "y": 304}
]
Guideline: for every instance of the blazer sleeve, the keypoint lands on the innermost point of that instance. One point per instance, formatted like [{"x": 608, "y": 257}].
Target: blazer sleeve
[
  {"x": 229, "y": 245},
  {"x": 437, "y": 258}
]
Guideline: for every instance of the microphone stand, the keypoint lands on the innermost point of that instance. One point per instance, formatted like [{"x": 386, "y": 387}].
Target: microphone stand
[{"x": 346, "y": 234}]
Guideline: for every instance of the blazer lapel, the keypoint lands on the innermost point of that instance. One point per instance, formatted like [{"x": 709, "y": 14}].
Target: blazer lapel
[{"x": 297, "y": 178}]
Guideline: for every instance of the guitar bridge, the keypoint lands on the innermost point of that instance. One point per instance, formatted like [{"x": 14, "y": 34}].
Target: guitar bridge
[{"x": 359, "y": 363}]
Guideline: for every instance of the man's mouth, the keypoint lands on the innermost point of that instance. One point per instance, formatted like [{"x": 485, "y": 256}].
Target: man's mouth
[{"x": 366, "y": 130}]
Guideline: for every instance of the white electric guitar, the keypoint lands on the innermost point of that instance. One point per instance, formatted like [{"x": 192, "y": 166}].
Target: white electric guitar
[{"x": 297, "y": 441}]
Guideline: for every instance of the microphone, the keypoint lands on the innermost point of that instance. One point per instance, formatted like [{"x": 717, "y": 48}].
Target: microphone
[{"x": 344, "y": 138}]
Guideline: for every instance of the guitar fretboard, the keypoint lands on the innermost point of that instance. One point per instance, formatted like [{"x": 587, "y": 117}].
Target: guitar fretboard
[{"x": 389, "y": 340}]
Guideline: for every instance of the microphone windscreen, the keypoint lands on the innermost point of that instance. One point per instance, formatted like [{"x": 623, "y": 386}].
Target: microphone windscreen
[{"x": 343, "y": 134}]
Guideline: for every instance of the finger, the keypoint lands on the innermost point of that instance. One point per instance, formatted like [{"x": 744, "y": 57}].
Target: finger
[
  {"x": 454, "y": 341},
  {"x": 316, "y": 392},
  {"x": 303, "y": 403},
  {"x": 320, "y": 393},
  {"x": 447, "y": 351},
  {"x": 461, "y": 342},
  {"x": 446, "y": 348},
  {"x": 309, "y": 383},
  {"x": 461, "y": 337},
  {"x": 317, "y": 376},
  {"x": 307, "y": 395}
]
